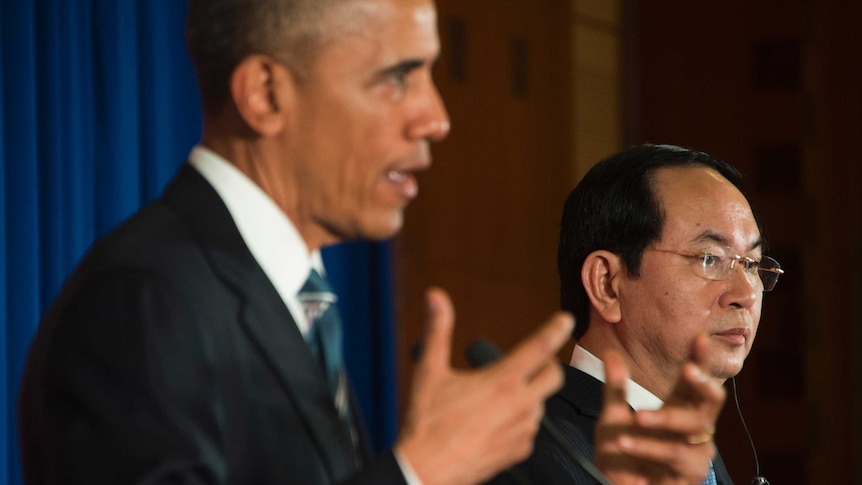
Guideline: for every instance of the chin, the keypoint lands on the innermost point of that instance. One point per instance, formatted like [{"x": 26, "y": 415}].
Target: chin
[
  {"x": 724, "y": 362},
  {"x": 727, "y": 368},
  {"x": 382, "y": 228}
]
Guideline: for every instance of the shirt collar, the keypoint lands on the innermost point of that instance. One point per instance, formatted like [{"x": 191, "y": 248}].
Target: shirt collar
[
  {"x": 636, "y": 395},
  {"x": 269, "y": 234}
]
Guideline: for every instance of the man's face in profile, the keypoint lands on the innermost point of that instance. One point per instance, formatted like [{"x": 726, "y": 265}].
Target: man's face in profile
[
  {"x": 363, "y": 119},
  {"x": 670, "y": 303}
]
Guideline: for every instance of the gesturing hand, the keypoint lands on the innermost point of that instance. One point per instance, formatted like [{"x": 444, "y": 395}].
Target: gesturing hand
[
  {"x": 465, "y": 426},
  {"x": 671, "y": 445}
]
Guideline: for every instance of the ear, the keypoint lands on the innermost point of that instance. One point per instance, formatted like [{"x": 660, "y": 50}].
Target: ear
[
  {"x": 260, "y": 90},
  {"x": 600, "y": 275}
]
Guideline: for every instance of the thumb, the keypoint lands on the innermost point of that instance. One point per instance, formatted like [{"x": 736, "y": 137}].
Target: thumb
[
  {"x": 699, "y": 351},
  {"x": 440, "y": 319},
  {"x": 695, "y": 387}
]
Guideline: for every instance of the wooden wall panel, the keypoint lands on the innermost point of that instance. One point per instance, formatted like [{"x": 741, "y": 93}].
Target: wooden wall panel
[
  {"x": 485, "y": 224},
  {"x": 773, "y": 87},
  {"x": 539, "y": 91}
]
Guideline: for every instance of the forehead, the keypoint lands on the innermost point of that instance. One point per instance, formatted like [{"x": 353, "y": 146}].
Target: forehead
[
  {"x": 391, "y": 28},
  {"x": 702, "y": 207}
]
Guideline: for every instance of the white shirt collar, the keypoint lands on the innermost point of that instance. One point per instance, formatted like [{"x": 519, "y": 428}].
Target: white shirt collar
[
  {"x": 269, "y": 234},
  {"x": 636, "y": 395}
]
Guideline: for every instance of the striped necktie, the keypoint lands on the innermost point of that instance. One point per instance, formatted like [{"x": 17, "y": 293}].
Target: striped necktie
[
  {"x": 325, "y": 335},
  {"x": 325, "y": 342}
]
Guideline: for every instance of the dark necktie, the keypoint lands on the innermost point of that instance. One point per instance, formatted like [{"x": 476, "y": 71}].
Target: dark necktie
[
  {"x": 324, "y": 334},
  {"x": 325, "y": 342}
]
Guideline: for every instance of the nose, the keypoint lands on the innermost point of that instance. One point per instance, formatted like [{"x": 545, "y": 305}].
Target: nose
[
  {"x": 743, "y": 289},
  {"x": 432, "y": 120}
]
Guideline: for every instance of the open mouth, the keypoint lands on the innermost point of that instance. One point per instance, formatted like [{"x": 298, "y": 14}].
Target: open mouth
[
  {"x": 404, "y": 182},
  {"x": 397, "y": 176}
]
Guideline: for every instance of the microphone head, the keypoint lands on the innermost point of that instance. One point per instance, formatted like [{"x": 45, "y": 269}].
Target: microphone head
[
  {"x": 759, "y": 481},
  {"x": 417, "y": 350},
  {"x": 481, "y": 353}
]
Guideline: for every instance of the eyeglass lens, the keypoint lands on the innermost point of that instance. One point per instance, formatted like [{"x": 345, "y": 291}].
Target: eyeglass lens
[{"x": 768, "y": 270}]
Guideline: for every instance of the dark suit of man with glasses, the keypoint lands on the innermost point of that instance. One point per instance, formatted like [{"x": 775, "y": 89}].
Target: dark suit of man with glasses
[{"x": 662, "y": 262}]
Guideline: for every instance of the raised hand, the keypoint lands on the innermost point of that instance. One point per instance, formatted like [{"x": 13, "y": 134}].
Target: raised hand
[
  {"x": 671, "y": 445},
  {"x": 465, "y": 426}
]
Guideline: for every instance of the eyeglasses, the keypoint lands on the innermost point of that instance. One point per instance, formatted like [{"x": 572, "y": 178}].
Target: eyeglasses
[{"x": 718, "y": 264}]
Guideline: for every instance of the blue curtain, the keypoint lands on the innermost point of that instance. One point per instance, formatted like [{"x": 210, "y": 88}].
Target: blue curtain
[{"x": 98, "y": 108}]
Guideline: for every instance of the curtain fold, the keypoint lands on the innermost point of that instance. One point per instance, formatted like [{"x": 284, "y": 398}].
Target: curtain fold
[
  {"x": 21, "y": 210},
  {"x": 361, "y": 276},
  {"x": 98, "y": 108}
]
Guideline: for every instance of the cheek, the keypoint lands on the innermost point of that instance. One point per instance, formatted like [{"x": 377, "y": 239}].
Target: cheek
[
  {"x": 355, "y": 162},
  {"x": 362, "y": 181},
  {"x": 650, "y": 310},
  {"x": 667, "y": 300},
  {"x": 367, "y": 143},
  {"x": 675, "y": 313}
]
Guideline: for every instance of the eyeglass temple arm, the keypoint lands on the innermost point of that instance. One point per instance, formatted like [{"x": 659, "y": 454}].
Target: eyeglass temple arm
[{"x": 772, "y": 270}]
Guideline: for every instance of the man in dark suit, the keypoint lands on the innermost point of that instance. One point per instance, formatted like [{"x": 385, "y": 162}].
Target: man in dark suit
[
  {"x": 661, "y": 261},
  {"x": 189, "y": 346}
]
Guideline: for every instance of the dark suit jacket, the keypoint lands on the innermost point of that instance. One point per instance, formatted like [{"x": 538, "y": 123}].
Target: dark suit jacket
[
  {"x": 169, "y": 357},
  {"x": 575, "y": 410}
]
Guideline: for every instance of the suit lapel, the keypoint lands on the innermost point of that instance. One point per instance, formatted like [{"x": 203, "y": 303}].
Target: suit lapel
[
  {"x": 264, "y": 318},
  {"x": 721, "y": 474},
  {"x": 583, "y": 392},
  {"x": 270, "y": 326}
]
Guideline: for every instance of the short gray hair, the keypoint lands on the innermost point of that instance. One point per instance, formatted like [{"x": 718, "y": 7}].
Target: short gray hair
[{"x": 221, "y": 33}]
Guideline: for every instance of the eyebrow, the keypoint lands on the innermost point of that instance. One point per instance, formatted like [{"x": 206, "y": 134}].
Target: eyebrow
[
  {"x": 713, "y": 236},
  {"x": 403, "y": 67}
]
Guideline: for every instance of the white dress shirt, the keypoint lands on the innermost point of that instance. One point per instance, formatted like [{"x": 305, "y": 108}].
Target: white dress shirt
[
  {"x": 272, "y": 239},
  {"x": 269, "y": 234},
  {"x": 637, "y": 397}
]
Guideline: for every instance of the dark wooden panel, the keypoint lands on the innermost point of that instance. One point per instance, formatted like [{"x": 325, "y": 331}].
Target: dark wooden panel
[
  {"x": 485, "y": 224},
  {"x": 775, "y": 88}
]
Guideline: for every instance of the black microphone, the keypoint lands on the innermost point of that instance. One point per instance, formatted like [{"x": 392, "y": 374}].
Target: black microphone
[{"x": 481, "y": 353}]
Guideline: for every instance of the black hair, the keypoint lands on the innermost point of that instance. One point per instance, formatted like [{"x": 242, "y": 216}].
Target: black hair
[{"x": 615, "y": 208}]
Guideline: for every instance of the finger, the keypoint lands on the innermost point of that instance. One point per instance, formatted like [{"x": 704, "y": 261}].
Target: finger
[
  {"x": 690, "y": 386},
  {"x": 440, "y": 320},
  {"x": 699, "y": 352},
  {"x": 670, "y": 459},
  {"x": 708, "y": 393},
  {"x": 692, "y": 409},
  {"x": 616, "y": 376},
  {"x": 695, "y": 387},
  {"x": 533, "y": 354},
  {"x": 548, "y": 380},
  {"x": 675, "y": 424},
  {"x": 682, "y": 457},
  {"x": 615, "y": 423},
  {"x": 616, "y": 379}
]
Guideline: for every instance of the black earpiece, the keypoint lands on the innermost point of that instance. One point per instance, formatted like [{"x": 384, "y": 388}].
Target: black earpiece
[{"x": 757, "y": 480}]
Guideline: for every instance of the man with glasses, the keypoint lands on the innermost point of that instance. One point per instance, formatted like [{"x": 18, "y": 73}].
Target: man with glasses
[{"x": 661, "y": 262}]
